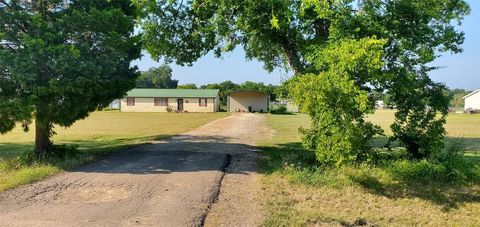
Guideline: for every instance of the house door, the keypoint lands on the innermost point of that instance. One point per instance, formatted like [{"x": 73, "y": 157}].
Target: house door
[{"x": 179, "y": 104}]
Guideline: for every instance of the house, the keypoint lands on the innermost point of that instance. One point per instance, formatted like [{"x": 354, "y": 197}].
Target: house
[
  {"x": 168, "y": 100},
  {"x": 472, "y": 101},
  {"x": 248, "y": 101}
]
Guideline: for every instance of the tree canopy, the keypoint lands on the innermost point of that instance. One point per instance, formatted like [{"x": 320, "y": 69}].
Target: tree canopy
[
  {"x": 303, "y": 35},
  {"x": 60, "y": 60},
  {"x": 187, "y": 86},
  {"x": 457, "y": 101},
  {"x": 159, "y": 77}
]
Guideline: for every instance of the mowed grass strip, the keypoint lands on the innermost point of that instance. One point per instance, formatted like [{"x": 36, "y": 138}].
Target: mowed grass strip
[
  {"x": 101, "y": 133},
  {"x": 298, "y": 193}
]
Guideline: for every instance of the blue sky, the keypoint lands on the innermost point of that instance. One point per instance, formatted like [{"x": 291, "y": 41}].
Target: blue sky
[{"x": 458, "y": 71}]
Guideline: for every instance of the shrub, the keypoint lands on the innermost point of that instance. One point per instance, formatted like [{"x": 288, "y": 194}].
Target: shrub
[
  {"x": 10, "y": 164},
  {"x": 421, "y": 115},
  {"x": 56, "y": 154},
  {"x": 279, "y": 109},
  {"x": 448, "y": 166},
  {"x": 337, "y": 103}
]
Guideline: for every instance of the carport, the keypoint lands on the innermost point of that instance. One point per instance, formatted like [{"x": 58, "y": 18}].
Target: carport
[{"x": 248, "y": 101}]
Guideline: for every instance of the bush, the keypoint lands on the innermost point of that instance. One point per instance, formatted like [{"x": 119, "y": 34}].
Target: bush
[
  {"x": 279, "y": 109},
  {"x": 337, "y": 101},
  {"x": 56, "y": 154},
  {"x": 64, "y": 156},
  {"x": 10, "y": 164},
  {"x": 421, "y": 116},
  {"x": 448, "y": 166}
]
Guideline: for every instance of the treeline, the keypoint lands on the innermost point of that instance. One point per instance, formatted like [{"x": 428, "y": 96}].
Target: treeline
[
  {"x": 456, "y": 95},
  {"x": 161, "y": 77}
]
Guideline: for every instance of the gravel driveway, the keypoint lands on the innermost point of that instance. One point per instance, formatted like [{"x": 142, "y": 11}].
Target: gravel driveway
[{"x": 203, "y": 177}]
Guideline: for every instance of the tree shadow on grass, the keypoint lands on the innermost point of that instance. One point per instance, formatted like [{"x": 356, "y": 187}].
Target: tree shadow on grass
[
  {"x": 449, "y": 196},
  {"x": 376, "y": 179},
  {"x": 469, "y": 145},
  {"x": 419, "y": 180},
  {"x": 95, "y": 144},
  {"x": 12, "y": 150},
  {"x": 153, "y": 155},
  {"x": 89, "y": 149}
]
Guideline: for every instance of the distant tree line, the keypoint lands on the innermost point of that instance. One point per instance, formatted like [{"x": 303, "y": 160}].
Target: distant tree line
[
  {"x": 159, "y": 77},
  {"x": 456, "y": 96}
]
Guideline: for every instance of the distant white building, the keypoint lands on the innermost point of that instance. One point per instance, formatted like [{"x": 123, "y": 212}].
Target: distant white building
[
  {"x": 115, "y": 104},
  {"x": 379, "y": 104},
  {"x": 472, "y": 101}
]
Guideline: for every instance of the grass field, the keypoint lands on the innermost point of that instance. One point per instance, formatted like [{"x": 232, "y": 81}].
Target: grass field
[
  {"x": 298, "y": 193},
  {"x": 100, "y": 133}
]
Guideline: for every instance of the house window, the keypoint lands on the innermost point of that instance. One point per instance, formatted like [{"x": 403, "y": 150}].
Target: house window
[
  {"x": 161, "y": 102},
  {"x": 202, "y": 102},
  {"x": 130, "y": 101}
]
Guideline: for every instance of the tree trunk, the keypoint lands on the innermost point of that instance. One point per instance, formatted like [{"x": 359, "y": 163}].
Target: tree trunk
[
  {"x": 43, "y": 131},
  {"x": 293, "y": 59}
]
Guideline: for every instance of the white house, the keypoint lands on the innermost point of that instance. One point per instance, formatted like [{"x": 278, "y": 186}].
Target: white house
[
  {"x": 379, "y": 104},
  {"x": 472, "y": 101}
]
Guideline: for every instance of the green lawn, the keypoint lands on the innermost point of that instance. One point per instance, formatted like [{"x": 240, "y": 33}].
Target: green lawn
[
  {"x": 299, "y": 193},
  {"x": 100, "y": 133},
  {"x": 460, "y": 127}
]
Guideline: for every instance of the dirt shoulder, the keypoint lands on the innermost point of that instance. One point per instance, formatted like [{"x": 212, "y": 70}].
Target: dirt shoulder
[
  {"x": 167, "y": 183},
  {"x": 239, "y": 202}
]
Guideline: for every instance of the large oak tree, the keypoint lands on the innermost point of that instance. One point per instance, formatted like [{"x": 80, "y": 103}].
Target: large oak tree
[
  {"x": 61, "y": 60},
  {"x": 291, "y": 33}
]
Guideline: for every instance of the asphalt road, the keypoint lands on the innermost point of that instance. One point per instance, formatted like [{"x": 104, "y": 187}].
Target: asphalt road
[{"x": 167, "y": 183}]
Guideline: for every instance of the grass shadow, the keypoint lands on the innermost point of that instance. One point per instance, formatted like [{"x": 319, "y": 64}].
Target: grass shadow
[
  {"x": 393, "y": 179},
  {"x": 12, "y": 150},
  {"x": 448, "y": 196},
  {"x": 470, "y": 145},
  {"x": 281, "y": 113}
]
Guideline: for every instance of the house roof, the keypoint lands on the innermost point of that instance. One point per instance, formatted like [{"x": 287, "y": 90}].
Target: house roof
[
  {"x": 249, "y": 90},
  {"x": 173, "y": 93},
  {"x": 472, "y": 93}
]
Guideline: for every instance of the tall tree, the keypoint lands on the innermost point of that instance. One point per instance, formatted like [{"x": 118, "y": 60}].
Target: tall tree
[
  {"x": 285, "y": 33},
  {"x": 259, "y": 86},
  {"x": 60, "y": 60},
  {"x": 225, "y": 88},
  {"x": 159, "y": 77},
  {"x": 457, "y": 101}
]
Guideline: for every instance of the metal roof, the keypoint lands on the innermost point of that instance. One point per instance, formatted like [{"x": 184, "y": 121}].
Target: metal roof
[
  {"x": 472, "y": 93},
  {"x": 249, "y": 90},
  {"x": 173, "y": 93}
]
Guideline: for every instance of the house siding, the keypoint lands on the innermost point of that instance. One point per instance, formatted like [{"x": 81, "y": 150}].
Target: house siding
[
  {"x": 240, "y": 101},
  {"x": 148, "y": 105},
  {"x": 473, "y": 101}
]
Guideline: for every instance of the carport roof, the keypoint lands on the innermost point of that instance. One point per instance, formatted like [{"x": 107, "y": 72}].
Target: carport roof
[
  {"x": 248, "y": 90},
  {"x": 173, "y": 93},
  {"x": 471, "y": 93}
]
